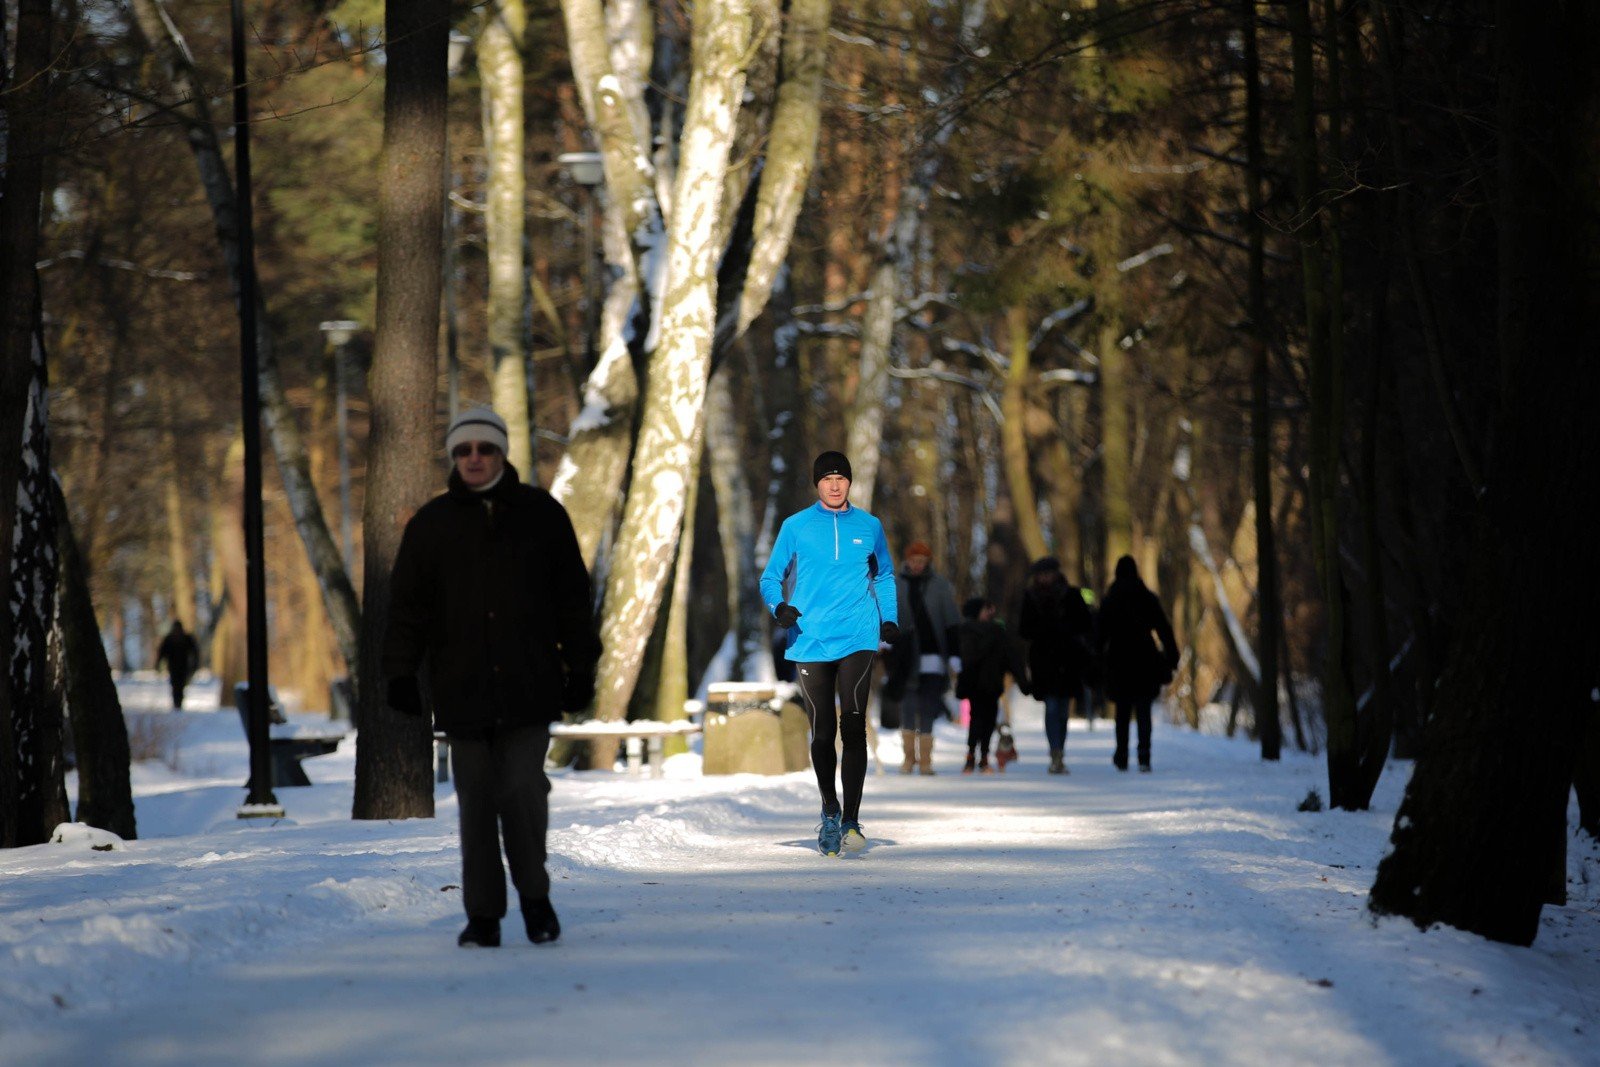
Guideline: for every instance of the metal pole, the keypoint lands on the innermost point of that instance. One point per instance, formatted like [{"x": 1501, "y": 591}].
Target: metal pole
[
  {"x": 341, "y": 384},
  {"x": 260, "y": 800}
]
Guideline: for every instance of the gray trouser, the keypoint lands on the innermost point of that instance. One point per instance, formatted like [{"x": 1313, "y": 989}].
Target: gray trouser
[{"x": 503, "y": 792}]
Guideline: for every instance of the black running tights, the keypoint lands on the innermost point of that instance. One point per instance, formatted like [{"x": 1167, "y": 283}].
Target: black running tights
[{"x": 851, "y": 679}]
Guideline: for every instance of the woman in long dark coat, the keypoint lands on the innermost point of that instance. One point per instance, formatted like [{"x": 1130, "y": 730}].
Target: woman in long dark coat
[
  {"x": 1056, "y": 623},
  {"x": 1135, "y": 669}
]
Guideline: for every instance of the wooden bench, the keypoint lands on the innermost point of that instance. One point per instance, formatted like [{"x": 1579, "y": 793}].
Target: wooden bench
[{"x": 287, "y": 746}]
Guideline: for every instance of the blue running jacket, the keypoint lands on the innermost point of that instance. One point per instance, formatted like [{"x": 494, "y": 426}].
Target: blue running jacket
[{"x": 834, "y": 568}]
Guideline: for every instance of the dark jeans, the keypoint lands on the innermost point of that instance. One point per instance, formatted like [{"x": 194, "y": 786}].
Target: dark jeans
[
  {"x": 851, "y": 679},
  {"x": 984, "y": 712},
  {"x": 503, "y": 792},
  {"x": 1125, "y": 711},
  {"x": 924, "y": 703},
  {"x": 1056, "y": 711}
]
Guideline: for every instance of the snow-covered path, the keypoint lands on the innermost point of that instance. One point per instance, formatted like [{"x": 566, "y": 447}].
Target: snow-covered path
[{"x": 1190, "y": 916}]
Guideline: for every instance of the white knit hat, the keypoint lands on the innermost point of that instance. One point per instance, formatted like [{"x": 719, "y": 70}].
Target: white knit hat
[{"x": 477, "y": 424}]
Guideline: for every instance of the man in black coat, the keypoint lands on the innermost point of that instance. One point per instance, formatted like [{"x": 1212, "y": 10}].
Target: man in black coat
[
  {"x": 182, "y": 656},
  {"x": 1056, "y": 623},
  {"x": 490, "y": 589},
  {"x": 1135, "y": 669}
]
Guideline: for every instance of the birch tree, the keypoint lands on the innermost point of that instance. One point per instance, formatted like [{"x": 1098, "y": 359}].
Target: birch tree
[{"x": 501, "y": 69}]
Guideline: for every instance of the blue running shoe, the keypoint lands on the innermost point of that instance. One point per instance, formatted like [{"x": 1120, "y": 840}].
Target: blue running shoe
[
  {"x": 828, "y": 834},
  {"x": 854, "y": 839}
]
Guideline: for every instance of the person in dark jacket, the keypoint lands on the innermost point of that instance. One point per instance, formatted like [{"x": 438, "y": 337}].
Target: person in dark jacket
[
  {"x": 181, "y": 655},
  {"x": 1056, "y": 623},
  {"x": 490, "y": 591},
  {"x": 1135, "y": 669},
  {"x": 987, "y": 653},
  {"x": 919, "y": 669}
]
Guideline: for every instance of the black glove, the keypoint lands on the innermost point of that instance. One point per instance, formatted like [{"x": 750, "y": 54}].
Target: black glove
[
  {"x": 578, "y": 693},
  {"x": 404, "y": 696},
  {"x": 786, "y": 615},
  {"x": 888, "y": 633}
]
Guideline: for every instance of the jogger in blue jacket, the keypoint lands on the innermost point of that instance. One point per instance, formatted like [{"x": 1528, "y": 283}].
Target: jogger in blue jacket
[{"x": 830, "y": 582}]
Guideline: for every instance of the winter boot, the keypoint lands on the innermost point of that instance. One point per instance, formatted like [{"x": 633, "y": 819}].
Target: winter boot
[
  {"x": 480, "y": 933},
  {"x": 540, "y": 919},
  {"x": 1057, "y": 764},
  {"x": 972, "y": 762},
  {"x": 925, "y": 753},
  {"x": 983, "y": 766},
  {"x": 908, "y": 742}
]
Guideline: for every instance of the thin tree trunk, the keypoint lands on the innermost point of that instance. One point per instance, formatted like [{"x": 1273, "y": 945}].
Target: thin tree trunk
[
  {"x": 736, "y": 526},
  {"x": 500, "y": 69},
  {"x": 1116, "y": 451},
  {"x": 227, "y": 541},
  {"x": 322, "y": 551},
  {"x": 99, "y": 733},
  {"x": 183, "y": 597},
  {"x": 1014, "y": 436},
  {"x": 1268, "y": 608},
  {"x": 393, "y": 779},
  {"x": 675, "y": 392}
]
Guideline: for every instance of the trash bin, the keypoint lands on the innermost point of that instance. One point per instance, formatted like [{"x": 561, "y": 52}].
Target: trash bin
[{"x": 751, "y": 728}]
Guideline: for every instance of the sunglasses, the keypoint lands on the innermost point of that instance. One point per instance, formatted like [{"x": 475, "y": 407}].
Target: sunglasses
[{"x": 484, "y": 448}]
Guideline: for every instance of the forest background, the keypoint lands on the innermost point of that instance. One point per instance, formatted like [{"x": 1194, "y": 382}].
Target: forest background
[{"x": 1279, "y": 298}]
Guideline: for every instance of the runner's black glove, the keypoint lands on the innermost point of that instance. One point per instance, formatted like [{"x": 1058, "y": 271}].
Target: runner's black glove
[
  {"x": 786, "y": 615},
  {"x": 888, "y": 633},
  {"x": 404, "y": 696},
  {"x": 578, "y": 693}
]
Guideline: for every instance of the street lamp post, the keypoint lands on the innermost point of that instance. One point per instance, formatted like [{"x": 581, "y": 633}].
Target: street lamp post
[
  {"x": 587, "y": 170},
  {"x": 260, "y": 802},
  {"x": 339, "y": 333}
]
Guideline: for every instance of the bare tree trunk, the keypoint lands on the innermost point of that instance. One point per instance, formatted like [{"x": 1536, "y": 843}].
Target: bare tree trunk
[
  {"x": 736, "y": 524},
  {"x": 227, "y": 541},
  {"x": 500, "y": 69},
  {"x": 321, "y": 550},
  {"x": 1014, "y": 437},
  {"x": 24, "y": 99},
  {"x": 99, "y": 733},
  {"x": 1482, "y": 825},
  {"x": 675, "y": 393},
  {"x": 1116, "y": 449},
  {"x": 393, "y": 779},
  {"x": 183, "y": 598},
  {"x": 1268, "y": 608}
]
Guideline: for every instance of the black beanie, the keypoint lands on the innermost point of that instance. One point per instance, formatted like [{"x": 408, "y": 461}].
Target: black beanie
[
  {"x": 830, "y": 463},
  {"x": 1045, "y": 565}
]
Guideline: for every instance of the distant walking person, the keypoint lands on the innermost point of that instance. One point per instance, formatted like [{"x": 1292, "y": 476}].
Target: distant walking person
[
  {"x": 919, "y": 674},
  {"x": 830, "y": 583},
  {"x": 1135, "y": 669},
  {"x": 987, "y": 653},
  {"x": 1056, "y": 623},
  {"x": 490, "y": 589},
  {"x": 182, "y": 656}
]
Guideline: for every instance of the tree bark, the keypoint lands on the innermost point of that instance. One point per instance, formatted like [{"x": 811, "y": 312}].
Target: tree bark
[
  {"x": 99, "y": 733},
  {"x": 1268, "y": 606},
  {"x": 1014, "y": 436},
  {"x": 736, "y": 526},
  {"x": 500, "y": 68},
  {"x": 675, "y": 392},
  {"x": 393, "y": 779},
  {"x": 1482, "y": 825},
  {"x": 24, "y": 101}
]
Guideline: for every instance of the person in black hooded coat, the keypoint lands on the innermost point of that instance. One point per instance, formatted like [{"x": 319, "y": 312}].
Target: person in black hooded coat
[
  {"x": 490, "y": 591},
  {"x": 1135, "y": 669},
  {"x": 1059, "y": 630}
]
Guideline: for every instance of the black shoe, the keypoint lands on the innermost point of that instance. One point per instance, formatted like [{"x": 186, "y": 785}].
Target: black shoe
[
  {"x": 1121, "y": 762},
  {"x": 1144, "y": 768},
  {"x": 480, "y": 933},
  {"x": 540, "y": 919}
]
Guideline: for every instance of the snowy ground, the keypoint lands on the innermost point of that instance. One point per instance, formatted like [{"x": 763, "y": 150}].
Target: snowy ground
[{"x": 1192, "y": 916}]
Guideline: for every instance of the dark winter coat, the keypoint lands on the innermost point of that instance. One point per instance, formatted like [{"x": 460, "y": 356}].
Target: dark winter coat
[
  {"x": 1059, "y": 630},
  {"x": 181, "y": 655},
  {"x": 933, "y": 595},
  {"x": 491, "y": 590},
  {"x": 987, "y": 653},
  {"x": 1135, "y": 669}
]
